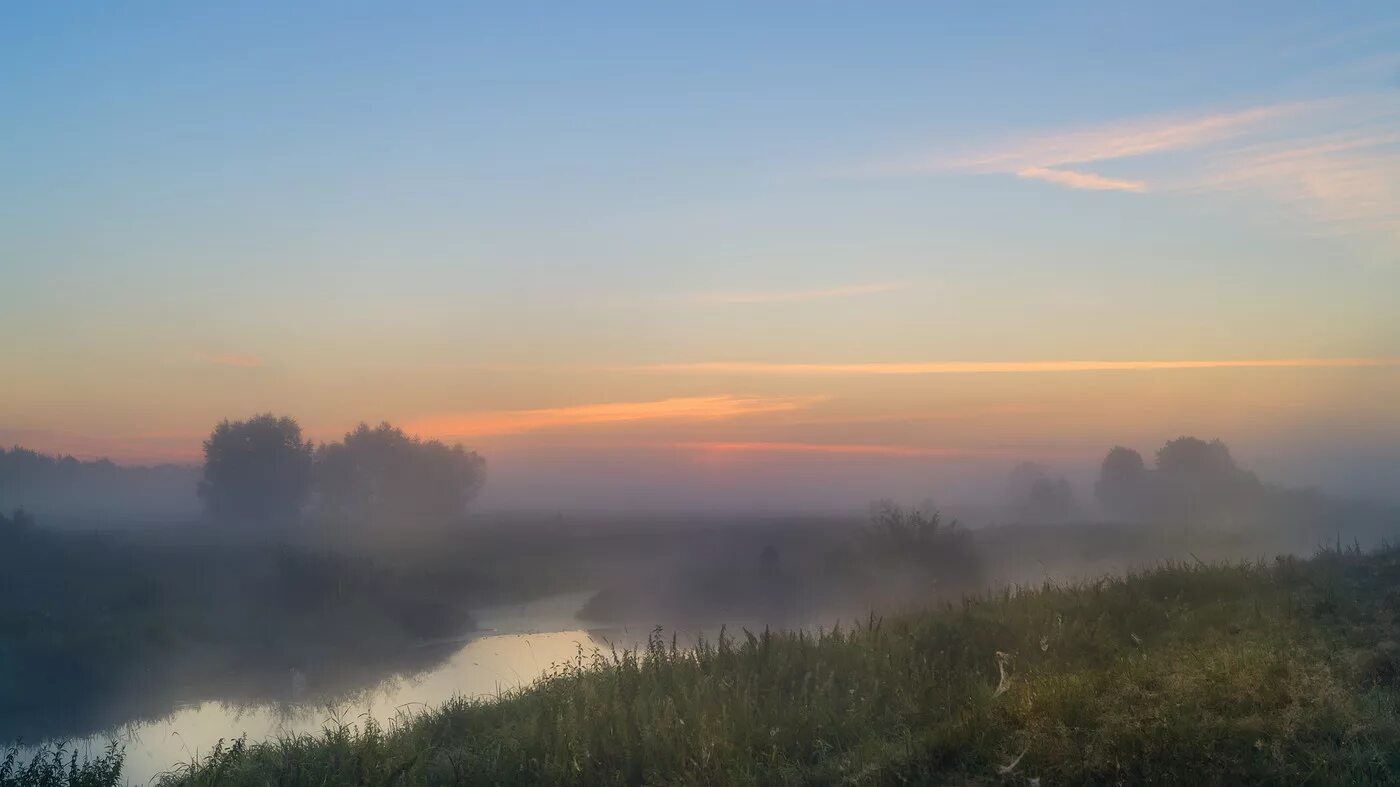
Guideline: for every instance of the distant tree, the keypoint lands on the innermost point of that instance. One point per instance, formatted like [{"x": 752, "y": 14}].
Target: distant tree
[
  {"x": 1186, "y": 456},
  {"x": 1036, "y": 495},
  {"x": 382, "y": 476},
  {"x": 1194, "y": 481},
  {"x": 258, "y": 470},
  {"x": 920, "y": 538},
  {"x": 1123, "y": 488},
  {"x": 1197, "y": 479}
]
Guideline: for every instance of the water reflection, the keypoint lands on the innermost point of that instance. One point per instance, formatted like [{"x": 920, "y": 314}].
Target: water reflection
[{"x": 518, "y": 644}]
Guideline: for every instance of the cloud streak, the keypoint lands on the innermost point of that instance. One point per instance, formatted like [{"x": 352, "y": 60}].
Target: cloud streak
[
  {"x": 1334, "y": 162},
  {"x": 797, "y": 296},
  {"x": 1345, "y": 182},
  {"x": 852, "y": 449},
  {"x": 1081, "y": 180},
  {"x": 680, "y": 409},
  {"x": 1117, "y": 141},
  {"x": 1006, "y": 367}
]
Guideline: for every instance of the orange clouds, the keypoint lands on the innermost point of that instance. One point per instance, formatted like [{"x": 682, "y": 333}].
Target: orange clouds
[
  {"x": 691, "y": 408},
  {"x": 1006, "y": 367}
]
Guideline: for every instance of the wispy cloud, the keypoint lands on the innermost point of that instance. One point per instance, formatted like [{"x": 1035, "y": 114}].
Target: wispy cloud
[
  {"x": 1126, "y": 139},
  {"x": 792, "y": 296},
  {"x": 231, "y": 359},
  {"x": 1334, "y": 162},
  {"x": 1006, "y": 367},
  {"x": 1340, "y": 182},
  {"x": 1080, "y": 180},
  {"x": 691, "y": 408}
]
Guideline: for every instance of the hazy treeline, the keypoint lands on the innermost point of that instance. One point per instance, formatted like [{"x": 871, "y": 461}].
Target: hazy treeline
[
  {"x": 1194, "y": 502},
  {"x": 262, "y": 471},
  {"x": 258, "y": 471},
  {"x": 1197, "y": 484},
  {"x": 66, "y": 487}
]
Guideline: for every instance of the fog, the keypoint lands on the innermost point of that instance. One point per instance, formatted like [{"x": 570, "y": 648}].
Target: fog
[{"x": 132, "y": 592}]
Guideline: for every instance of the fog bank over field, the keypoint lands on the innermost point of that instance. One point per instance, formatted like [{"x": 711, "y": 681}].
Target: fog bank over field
[
  {"x": 283, "y": 574},
  {"x": 651, "y": 480}
]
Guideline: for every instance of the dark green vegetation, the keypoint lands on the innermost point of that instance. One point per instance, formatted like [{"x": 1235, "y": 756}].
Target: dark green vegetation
[
  {"x": 1278, "y": 672},
  {"x": 101, "y": 628}
]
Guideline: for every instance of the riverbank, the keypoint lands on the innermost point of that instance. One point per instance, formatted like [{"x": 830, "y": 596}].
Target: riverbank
[{"x": 1281, "y": 672}]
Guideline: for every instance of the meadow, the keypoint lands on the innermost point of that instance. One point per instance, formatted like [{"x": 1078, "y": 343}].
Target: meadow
[{"x": 1281, "y": 671}]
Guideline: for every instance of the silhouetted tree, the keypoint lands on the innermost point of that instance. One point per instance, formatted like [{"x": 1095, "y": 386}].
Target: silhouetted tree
[
  {"x": 1123, "y": 485},
  {"x": 1196, "y": 479},
  {"x": 382, "y": 476},
  {"x": 256, "y": 470},
  {"x": 1187, "y": 457}
]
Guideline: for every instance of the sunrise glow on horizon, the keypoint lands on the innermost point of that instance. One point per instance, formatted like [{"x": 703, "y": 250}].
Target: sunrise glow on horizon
[{"x": 705, "y": 251}]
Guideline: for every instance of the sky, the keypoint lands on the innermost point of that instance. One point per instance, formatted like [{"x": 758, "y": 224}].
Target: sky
[{"x": 731, "y": 255}]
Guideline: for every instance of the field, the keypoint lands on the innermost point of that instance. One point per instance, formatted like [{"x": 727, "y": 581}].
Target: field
[{"x": 1285, "y": 671}]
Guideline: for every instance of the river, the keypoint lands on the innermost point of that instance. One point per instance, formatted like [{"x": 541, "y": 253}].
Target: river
[{"x": 515, "y": 644}]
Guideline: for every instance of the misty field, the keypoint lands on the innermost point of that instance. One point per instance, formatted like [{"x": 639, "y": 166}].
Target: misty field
[{"x": 1286, "y": 671}]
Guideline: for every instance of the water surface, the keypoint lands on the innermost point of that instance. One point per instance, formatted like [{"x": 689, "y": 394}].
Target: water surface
[{"x": 515, "y": 645}]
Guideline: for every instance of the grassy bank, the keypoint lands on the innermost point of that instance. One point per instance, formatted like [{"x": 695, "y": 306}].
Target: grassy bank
[{"x": 1278, "y": 672}]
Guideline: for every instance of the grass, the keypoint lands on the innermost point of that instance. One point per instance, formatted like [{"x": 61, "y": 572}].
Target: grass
[
  {"x": 59, "y": 766},
  {"x": 1285, "y": 672}
]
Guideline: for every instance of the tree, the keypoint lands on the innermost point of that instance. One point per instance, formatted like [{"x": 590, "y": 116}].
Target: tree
[
  {"x": 1123, "y": 485},
  {"x": 1036, "y": 495},
  {"x": 381, "y": 476},
  {"x": 258, "y": 470},
  {"x": 1192, "y": 457},
  {"x": 1199, "y": 479},
  {"x": 1193, "y": 481}
]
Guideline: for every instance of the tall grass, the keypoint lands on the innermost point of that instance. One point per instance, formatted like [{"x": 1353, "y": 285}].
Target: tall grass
[
  {"x": 1247, "y": 673},
  {"x": 59, "y": 766}
]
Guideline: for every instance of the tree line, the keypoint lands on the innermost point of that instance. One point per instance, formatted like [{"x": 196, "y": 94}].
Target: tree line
[
  {"x": 262, "y": 470},
  {"x": 1193, "y": 480}
]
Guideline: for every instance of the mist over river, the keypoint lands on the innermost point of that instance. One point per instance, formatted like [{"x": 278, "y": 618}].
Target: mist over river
[{"x": 515, "y": 645}]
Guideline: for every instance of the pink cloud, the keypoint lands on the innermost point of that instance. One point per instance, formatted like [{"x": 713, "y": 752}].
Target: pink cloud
[{"x": 1081, "y": 180}]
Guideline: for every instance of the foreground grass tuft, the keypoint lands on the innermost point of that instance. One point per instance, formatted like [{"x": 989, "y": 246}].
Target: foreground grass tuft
[
  {"x": 58, "y": 766},
  {"x": 1286, "y": 672}
]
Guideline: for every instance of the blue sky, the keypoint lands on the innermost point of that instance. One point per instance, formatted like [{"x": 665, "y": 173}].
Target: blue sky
[{"x": 430, "y": 212}]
